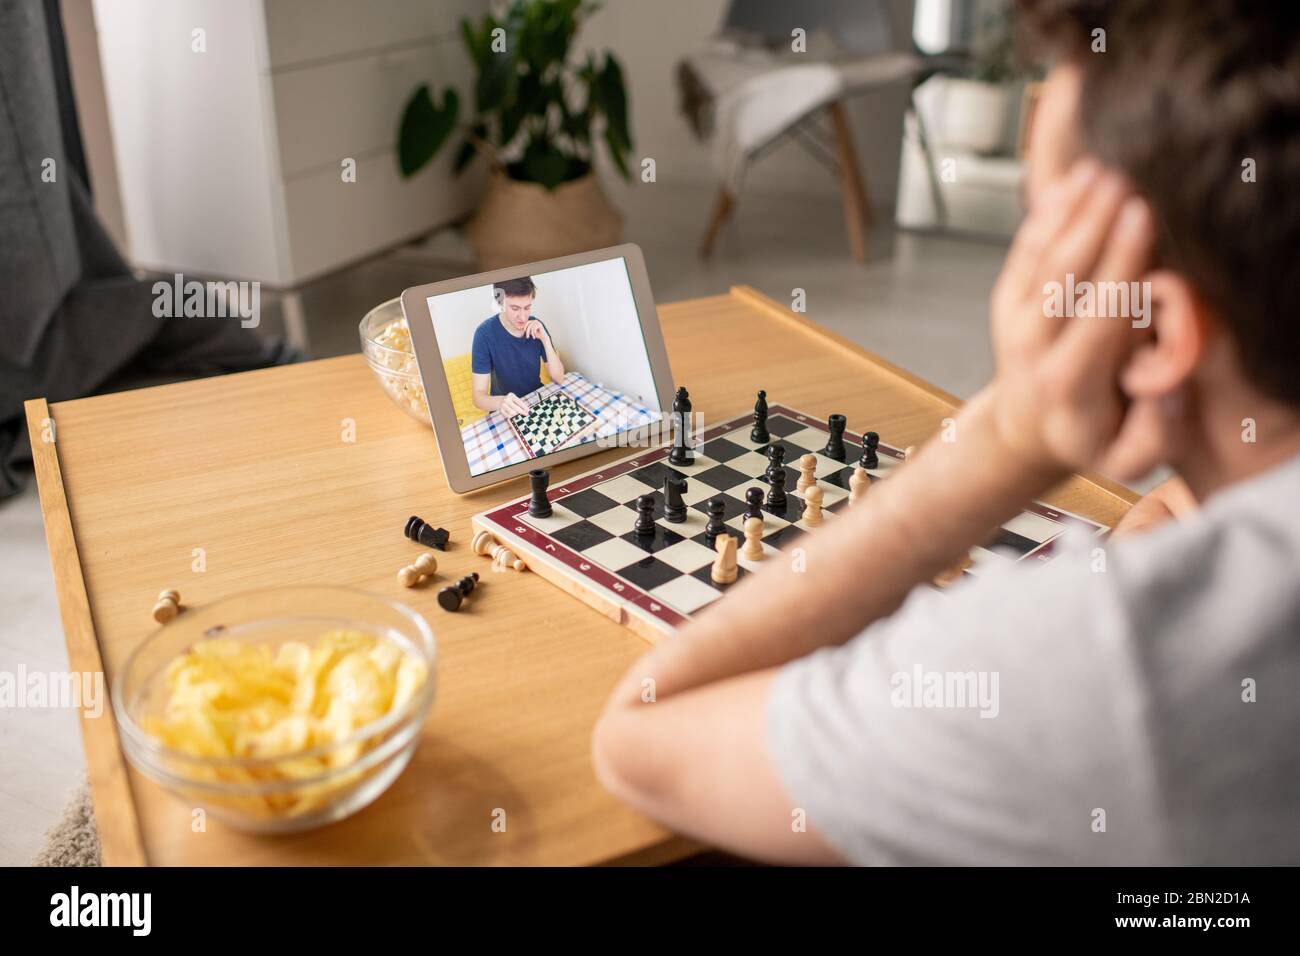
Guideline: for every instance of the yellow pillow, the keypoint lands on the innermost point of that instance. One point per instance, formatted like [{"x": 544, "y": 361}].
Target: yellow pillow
[{"x": 460, "y": 381}]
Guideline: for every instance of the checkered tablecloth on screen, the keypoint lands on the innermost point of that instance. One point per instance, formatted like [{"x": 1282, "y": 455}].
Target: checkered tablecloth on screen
[{"x": 490, "y": 443}]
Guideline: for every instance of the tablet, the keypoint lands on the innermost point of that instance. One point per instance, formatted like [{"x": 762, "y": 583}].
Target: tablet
[{"x": 539, "y": 364}]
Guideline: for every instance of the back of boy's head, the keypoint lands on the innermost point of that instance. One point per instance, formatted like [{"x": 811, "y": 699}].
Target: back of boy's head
[{"x": 1198, "y": 103}]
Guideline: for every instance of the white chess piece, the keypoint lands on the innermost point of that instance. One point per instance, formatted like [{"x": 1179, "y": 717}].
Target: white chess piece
[
  {"x": 812, "y": 512},
  {"x": 859, "y": 482},
  {"x": 753, "y": 549}
]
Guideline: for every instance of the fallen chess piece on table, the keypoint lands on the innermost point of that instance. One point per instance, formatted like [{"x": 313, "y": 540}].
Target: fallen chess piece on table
[
  {"x": 452, "y": 595},
  {"x": 167, "y": 607},
  {"x": 418, "y": 530},
  {"x": 424, "y": 567},
  {"x": 503, "y": 559}
]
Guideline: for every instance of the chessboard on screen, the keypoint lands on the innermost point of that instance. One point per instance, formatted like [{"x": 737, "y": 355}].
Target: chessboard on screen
[
  {"x": 612, "y": 539},
  {"x": 555, "y": 359}
]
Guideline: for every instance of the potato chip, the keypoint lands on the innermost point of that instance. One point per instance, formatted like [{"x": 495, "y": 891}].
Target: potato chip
[{"x": 231, "y": 698}]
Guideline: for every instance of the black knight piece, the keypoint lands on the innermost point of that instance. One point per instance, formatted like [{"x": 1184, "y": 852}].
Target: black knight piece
[
  {"x": 674, "y": 507},
  {"x": 539, "y": 506},
  {"x": 759, "y": 435},
  {"x": 835, "y": 444},
  {"x": 682, "y": 453},
  {"x": 417, "y": 529},
  {"x": 753, "y": 503},
  {"x": 452, "y": 595},
  {"x": 869, "y": 459},
  {"x": 645, "y": 515},
  {"x": 717, "y": 519}
]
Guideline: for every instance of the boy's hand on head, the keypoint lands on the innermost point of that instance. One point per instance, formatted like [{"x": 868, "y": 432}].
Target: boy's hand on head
[{"x": 1058, "y": 401}]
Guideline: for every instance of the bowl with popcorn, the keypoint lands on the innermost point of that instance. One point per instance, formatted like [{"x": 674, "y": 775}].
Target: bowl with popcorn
[
  {"x": 386, "y": 344},
  {"x": 281, "y": 709}
]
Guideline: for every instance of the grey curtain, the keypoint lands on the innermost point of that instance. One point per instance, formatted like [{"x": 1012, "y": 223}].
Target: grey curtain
[{"x": 73, "y": 319}]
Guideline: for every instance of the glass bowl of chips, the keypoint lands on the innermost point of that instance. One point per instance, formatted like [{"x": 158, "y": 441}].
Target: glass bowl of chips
[
  {"x": 386, "y": 344},
  {"x": 280, "y": 709}
]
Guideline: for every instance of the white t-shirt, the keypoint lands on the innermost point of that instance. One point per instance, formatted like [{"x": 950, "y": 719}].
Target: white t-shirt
[{"x": 1144, "y": 710}]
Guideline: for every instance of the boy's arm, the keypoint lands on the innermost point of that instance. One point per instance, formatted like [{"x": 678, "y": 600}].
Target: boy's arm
[
  {"x": 1169, "y": 500},
  {"x": 907, "y": 529},
  {"x": 508, "y": 405},
  {"x": 554, "y": 367},
  {"x": 1053, "y": 408}
]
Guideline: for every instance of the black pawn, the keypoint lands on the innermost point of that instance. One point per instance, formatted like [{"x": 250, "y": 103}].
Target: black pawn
[
  {"x": 869, "y": 459},
  {"x": 717, "y": 519},
  {"x": 753, "y": 503},
  {"x": 835, "y": 445},
  {"x": 674, "y": 507},
  {"x": 452, "y": 595},
  {"x": 775, "y": 463},
  {"x": 645, "y": 515},
  {"x": 539, "y": 506},
  {"x": 759, "y": 435},
  {"x": 776, "y": 500},
  {"x": 418, "y": 530},
  {"x": 681, "y": 453}
]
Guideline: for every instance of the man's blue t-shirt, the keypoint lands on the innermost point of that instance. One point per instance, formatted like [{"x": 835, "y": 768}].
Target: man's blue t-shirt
[{"x": 515, "y": 363}]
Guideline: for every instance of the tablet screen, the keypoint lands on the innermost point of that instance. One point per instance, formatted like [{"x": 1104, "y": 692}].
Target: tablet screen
[{"x": 541, "y": 362}]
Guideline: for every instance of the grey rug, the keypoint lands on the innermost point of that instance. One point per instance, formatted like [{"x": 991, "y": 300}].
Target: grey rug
[{"x": 74, "y": 840}]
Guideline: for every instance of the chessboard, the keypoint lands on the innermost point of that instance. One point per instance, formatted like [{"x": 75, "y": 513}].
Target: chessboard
[
  {"x": 551, "y": 424},
  {"x": 653, "y": 583}
]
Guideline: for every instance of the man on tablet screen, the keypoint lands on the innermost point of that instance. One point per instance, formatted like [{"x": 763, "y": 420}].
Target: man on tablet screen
[{"x": 509, "y": 349}]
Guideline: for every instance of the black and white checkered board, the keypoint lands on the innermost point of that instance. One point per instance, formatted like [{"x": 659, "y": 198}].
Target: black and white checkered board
[
  {"x": 550, "y": 423},
  {"x": 653, "y": 584}
]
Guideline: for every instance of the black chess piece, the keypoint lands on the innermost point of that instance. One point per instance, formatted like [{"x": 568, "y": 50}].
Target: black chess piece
[
  {"x": 775, "y": 462},
  {"x": 759, "y": 435},
  {"x": 835, "y": 444},
  {"x": 869, "y": 459},
  {"x": 674, "y": 507},
  {"x": 753, "y": 503},
  {"x": 682, "y": 453},
  {"x": 452, "y": 595},
  {"x": 417, "y": 529},
  {"x": 776, "y": 499},
  {"x": 645, "y": 515},
  {"x": 717, "y": 519},
  {"x": 539, "y": 506}
]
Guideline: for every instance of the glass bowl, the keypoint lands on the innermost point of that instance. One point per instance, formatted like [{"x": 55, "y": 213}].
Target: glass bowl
[
  {"x": 386, "y": 344},
  {"x": 293, "y": 789}
]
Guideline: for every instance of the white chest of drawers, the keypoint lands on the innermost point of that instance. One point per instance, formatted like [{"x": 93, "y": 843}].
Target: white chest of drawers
[{"x": 231, "y": 157}]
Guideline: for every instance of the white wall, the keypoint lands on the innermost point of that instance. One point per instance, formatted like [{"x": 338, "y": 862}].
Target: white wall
[
  {"x": 590, "y": 312},
  {"x": 650, "y": 39}
]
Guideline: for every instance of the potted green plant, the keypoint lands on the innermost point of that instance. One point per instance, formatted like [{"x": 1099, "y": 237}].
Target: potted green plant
[
  {"x": 536, "y": 119},
  {"x": 978, "y": 107}
]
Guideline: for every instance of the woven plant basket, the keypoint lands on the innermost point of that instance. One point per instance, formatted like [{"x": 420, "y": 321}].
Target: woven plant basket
[{"x": 521, "y": 222}]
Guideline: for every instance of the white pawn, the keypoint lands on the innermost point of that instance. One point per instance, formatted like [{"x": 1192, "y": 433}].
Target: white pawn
[
  {"x": 807, "y": 478},
  {"x": 753, "y": 549},
  {"x": 812, "y": 510},
  {"x": 859, "y": 482}
]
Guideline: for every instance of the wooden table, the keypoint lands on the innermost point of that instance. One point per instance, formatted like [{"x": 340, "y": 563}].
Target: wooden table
[{"x": 255, "y": 469}]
